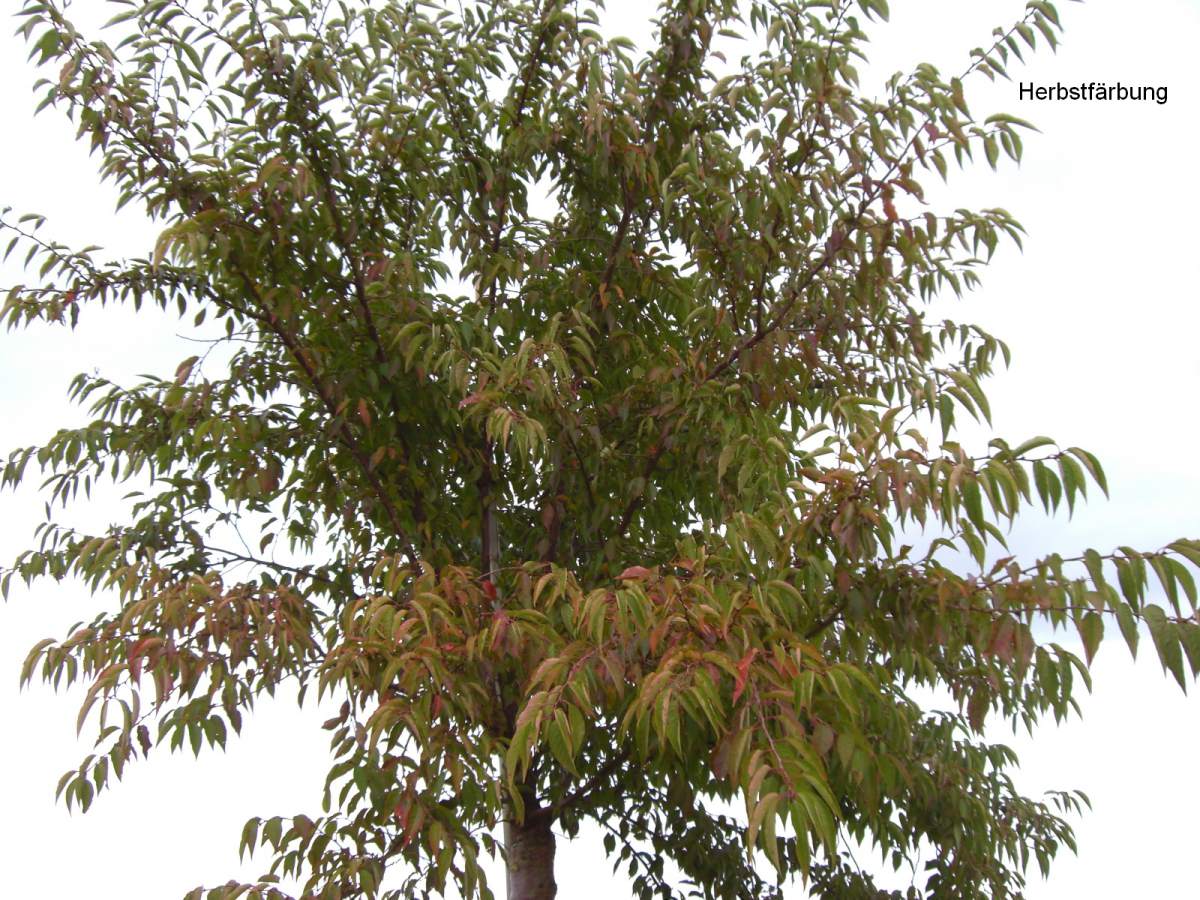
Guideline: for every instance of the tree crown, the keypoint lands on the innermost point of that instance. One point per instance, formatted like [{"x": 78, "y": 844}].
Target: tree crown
[{"x": 586, "y": 394}]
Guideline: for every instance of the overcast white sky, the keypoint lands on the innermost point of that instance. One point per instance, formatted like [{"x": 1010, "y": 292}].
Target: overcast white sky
[{"x": 1100, "y": 311}]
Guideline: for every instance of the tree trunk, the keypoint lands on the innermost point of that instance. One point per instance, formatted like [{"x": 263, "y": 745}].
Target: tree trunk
[{"x": 529, "y": 852}]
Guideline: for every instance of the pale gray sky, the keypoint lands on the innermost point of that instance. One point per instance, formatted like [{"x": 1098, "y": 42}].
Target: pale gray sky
[{"x": 1100, "y": 312}]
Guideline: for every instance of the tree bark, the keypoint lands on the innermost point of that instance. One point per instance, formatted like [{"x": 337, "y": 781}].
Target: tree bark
[
  {"x": 528, "y": 845},
  {"x": 529, "y": 856}
]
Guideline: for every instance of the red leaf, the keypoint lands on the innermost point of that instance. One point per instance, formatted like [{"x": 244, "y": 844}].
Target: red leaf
[
  {"x": 501, "y": 629},
  {"x": 743, "y": 670},
  {"x": 1002, "y": 640},
  {"x": 635, "y": 573},
  {"x": 469, "y": 400},
  {"x": 184, "y": 370},
  {"x": 364, "y": 412},
  {"x": 842, "y": 582},
  {"x": 657, "y": 633},
  {"x": 489, "y": 589},
  {"x": 376, "y": 270},
  {"x": 135, "y": 653}
]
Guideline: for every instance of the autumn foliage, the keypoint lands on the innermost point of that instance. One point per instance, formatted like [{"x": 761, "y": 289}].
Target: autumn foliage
[{"x": 578, "y": 402}]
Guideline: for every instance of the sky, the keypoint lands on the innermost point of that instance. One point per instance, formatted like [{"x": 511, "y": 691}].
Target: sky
[{"x": 1099, "y": 309}]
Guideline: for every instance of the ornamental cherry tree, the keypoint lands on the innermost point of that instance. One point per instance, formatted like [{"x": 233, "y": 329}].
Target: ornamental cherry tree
[{"x": 576, "y": 400}]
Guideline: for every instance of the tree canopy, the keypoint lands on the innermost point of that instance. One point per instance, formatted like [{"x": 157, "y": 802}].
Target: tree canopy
[{"x": 575, "y": 403}]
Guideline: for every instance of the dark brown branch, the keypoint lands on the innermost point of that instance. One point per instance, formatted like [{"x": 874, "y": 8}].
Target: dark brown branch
[
  {"x": 825, "y": 621},
  {"x": 618, "y": 240},
  {"x": 587, "y": 480},
  {"x": 303, "y": 572},
  {"x": 587, "y": 788}
]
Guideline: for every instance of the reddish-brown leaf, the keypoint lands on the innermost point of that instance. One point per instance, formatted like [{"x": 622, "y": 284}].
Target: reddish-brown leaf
[
  {"x": 720, "y": 757},
  {"x": 500, "y": 631},
  {"x": 842, "y": 582},
  {"x": 743, "y": 671}
]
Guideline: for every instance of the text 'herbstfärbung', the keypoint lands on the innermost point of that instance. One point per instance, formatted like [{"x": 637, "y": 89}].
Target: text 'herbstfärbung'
[{"x": 1092, "y": 90}]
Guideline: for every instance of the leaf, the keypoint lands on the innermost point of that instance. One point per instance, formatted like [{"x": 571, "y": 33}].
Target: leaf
[
  {"x": 1091, "y": 631},
  {"x": 977, "y": 707},
  {"x": 1032, "y": 444},
  {"x": 1189, "y": 637},
  {"x": 1128, "y": 626},
  {"x": 743, "y": 670},
  {"x": 249, "y": 837},
  {"x": 760, "y": 811},
  {"x": 1093, "y": 467},
  {"x": 991, "y": 150},
  {"x": 1165, "y": 635},
  {"x": 184, "y": 370},
  {"x": 973, "y": 501},
  {"x": 724, "y": 460},
  {"x": 1189, "y": 550},
  {"x": 635, "y": 573},
  {"x": 48, "y": 44},
  {"x": 1095, "y": 568}
]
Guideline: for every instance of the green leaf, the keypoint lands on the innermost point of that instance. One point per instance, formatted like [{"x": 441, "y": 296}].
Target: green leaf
[
  {"x": 1165, "y": 635},
  {"x": 1091, "y": 631},
  {"x": 1032, "y": 444}
]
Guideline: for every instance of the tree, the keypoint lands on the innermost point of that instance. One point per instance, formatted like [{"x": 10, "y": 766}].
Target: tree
[{"x": 588, "y": 398}]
